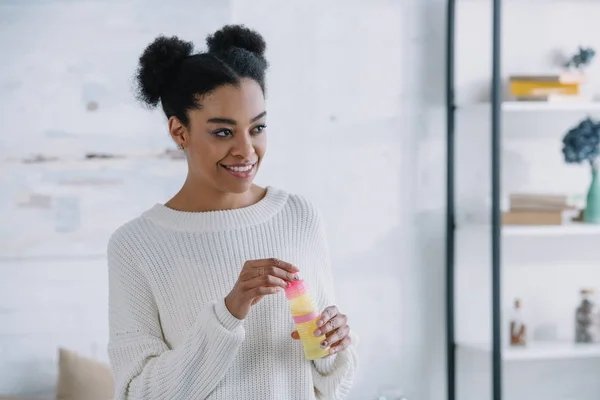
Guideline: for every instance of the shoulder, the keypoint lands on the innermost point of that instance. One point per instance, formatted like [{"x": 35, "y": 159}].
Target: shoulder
[
  {"x": 302, "y": 204},
  {"x": 295, "y": 202},
  {"x": 127, "y": 253},
  {"x": 303, "y": 211},
  {"x": 123, "y": 234},
  {"x": 128, "y": 241}
]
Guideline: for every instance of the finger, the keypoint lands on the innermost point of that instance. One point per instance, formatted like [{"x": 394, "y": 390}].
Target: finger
[
  {"x": 256, "y": 300},
  {"x": 263, "y": 291},
  {"x": 278, "y": 272},
  {"x": 340, "y": 346},
  {"x": 295, "y": 335},
  {"x": 334, "y": 323},
  {"x": 272, "y": 262},
  {"x": 326, "y": 315},
  {"x": 265, "y": 280},
  {"x": 264, "y": 271},
  {"x": 336, "y": 336}
]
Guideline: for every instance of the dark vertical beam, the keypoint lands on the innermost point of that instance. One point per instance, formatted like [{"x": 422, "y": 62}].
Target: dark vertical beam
[
  {"x": 496, "y": 113},
  {"x": 450, "y": 213}
]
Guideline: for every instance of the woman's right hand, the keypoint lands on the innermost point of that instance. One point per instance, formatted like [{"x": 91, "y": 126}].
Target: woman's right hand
[{"x": 257, "y": 279}]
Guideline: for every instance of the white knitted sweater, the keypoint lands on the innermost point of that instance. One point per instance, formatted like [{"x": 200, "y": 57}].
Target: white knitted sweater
[{"x": 171, "y": 335}]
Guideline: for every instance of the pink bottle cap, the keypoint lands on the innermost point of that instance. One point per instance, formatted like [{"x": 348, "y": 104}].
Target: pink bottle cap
[{"x": 295, "y": 289}]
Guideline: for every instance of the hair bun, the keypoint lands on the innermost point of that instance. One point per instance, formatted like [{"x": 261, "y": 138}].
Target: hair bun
[
  {"x": 157, "y": 63},
  {"x": 239, "y": 36}
]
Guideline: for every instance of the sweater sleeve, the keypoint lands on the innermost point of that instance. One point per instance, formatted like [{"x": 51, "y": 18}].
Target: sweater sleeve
[
  {"x": 144, "y": 366},
  {"x": 333, "y": 375}
]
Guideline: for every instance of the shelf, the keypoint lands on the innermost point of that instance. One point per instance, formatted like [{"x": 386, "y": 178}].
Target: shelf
[
  {"x": 550, "y": 106},
  {"x": 542, "y": 351},
  {"x": 571, "y": 229},
  {"x": 540, "y": 106},
  {"x": 552, "y": 230}
]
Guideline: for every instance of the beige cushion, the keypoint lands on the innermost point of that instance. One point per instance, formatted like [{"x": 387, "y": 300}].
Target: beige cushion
[{"x": 81, "y": 378}]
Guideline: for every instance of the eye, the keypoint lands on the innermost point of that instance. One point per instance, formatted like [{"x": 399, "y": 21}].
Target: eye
[
  {"x": 258, "y": 129},
  {"x": 222, "y": 133}
]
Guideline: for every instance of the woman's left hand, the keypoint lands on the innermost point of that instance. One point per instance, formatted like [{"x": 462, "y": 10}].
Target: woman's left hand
[{"x": 334, "y": 326}]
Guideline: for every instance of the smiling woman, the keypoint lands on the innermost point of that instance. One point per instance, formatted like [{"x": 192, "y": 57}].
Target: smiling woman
[
  {"x": 215, "y": 106},
  {"x": 196, "y": 303}
]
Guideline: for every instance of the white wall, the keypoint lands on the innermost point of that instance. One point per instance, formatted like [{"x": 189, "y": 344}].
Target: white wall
[{"x": 348, "y": 93}]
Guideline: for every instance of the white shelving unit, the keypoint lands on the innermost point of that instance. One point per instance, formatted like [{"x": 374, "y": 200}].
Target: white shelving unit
[{"x": 543, "y": 266}]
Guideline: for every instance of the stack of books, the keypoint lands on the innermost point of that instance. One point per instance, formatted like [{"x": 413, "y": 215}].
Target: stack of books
[
  {"x": 541, "y": 209},
  {"x": 559, "y": 87}
]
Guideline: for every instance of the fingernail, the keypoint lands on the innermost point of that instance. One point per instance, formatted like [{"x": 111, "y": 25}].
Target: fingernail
[
  {"x": 319, "y": 323},
  {"x": 324, "y": 344},
  {"x": 332, "y": 351},
  {"x": 318, "y": 332}
]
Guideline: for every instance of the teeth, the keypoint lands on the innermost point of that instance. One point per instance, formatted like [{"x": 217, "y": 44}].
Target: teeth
[{"x": 241, "y": 169}]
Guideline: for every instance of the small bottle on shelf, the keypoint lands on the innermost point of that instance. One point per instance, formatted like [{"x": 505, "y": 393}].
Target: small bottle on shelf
[
  {"x": 518, "y": 329},
  {"x": 587, "y": 325}
]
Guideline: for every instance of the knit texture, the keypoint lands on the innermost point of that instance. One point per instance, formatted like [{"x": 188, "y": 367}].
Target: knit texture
[{"x": 171, "y": 335}]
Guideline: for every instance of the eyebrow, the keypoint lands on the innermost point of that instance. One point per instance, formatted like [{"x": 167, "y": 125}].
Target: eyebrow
[{"x": 230, "y": 121}]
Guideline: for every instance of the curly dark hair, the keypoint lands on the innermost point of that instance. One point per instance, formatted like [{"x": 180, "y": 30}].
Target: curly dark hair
[{"x": 171, "y": 73}]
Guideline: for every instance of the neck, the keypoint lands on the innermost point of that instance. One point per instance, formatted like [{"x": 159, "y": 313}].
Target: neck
[{"x": 198, "y": 197}]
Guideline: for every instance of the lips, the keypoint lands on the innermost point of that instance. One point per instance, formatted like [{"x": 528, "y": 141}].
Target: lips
[
  {"x": 240, "y": 167},
  {"x": 241, "y": 171}
]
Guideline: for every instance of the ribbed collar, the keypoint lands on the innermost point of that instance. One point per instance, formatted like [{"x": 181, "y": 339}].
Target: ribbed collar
[{"x": 221, "y": 220}]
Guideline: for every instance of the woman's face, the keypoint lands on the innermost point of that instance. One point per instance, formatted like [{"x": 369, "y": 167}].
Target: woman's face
[{"x": 226, "y": 140}]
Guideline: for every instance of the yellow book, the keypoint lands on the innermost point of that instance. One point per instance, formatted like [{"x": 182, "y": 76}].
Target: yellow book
[{"x": 541, "y": 88}]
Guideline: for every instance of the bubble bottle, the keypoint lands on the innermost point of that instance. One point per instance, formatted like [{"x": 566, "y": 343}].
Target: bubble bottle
[{"x": 305, "y": 314}]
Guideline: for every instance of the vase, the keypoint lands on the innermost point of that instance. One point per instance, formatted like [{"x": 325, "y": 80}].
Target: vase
[{"x": 591, "y": 213}]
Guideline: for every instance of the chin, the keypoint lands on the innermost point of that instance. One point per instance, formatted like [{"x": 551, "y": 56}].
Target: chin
[
  {"x": 237, "y": 189},
  {"x": 229, "y": 186}
]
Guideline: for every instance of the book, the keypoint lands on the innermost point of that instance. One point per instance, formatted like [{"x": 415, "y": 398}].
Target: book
[
  {"x": 532, "y": 88},
  {"x": 544, "y": 201},
  {"x": 536, "y": 217},
  {"x": 563, "y": 78},
  {"x": 555, "y": 98}
]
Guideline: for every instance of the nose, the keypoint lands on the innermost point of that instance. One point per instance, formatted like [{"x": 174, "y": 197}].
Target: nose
[{"x": 243, "y": 147}]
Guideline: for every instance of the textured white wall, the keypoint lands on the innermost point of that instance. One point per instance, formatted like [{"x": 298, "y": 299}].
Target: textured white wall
[{"x": 348, "y": 90}]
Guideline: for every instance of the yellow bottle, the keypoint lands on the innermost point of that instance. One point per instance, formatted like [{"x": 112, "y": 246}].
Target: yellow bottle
[{"x": 305, "y": 314}]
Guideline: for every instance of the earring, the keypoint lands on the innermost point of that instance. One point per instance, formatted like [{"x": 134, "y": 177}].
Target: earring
[{"x": 181, "y": 147}]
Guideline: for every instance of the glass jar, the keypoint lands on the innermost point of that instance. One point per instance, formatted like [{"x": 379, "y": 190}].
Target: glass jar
[{"x": 587, "y": 324}]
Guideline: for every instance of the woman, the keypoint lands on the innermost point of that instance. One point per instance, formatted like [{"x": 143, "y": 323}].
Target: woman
[{"x": 196, "y": 303}]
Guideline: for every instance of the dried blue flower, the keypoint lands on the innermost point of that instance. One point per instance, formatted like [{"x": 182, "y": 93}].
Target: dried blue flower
[
  {"x": 582, "y": 142},
  {"x": 582, "y": 58}
]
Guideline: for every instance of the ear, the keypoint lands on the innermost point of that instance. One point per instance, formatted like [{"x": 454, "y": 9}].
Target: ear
[{"x": 179, "y": 132}]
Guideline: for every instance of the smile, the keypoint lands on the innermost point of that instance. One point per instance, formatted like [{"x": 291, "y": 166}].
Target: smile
[{"x": 241, "y": 171}]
